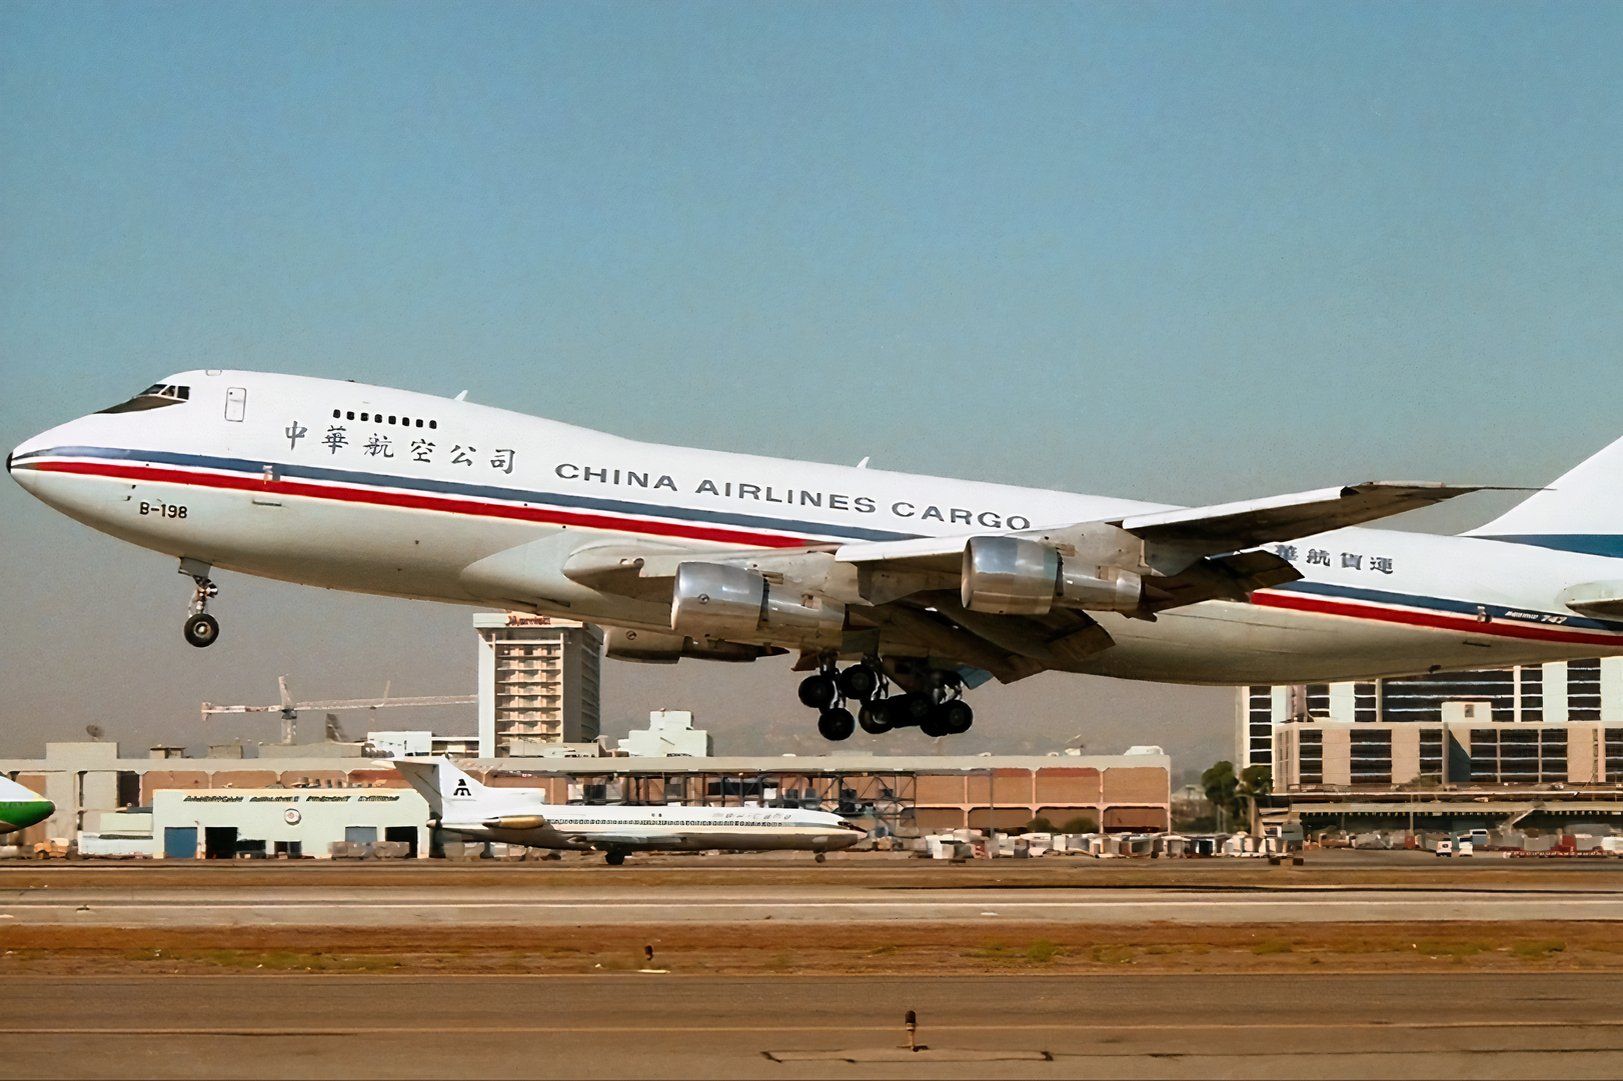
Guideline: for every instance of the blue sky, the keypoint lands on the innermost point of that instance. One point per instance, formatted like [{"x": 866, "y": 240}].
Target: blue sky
[{"x": 1186, "y": 252}]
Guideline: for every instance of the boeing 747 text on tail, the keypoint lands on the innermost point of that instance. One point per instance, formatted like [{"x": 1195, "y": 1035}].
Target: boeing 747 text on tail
[{"x": 894, "y": 590}]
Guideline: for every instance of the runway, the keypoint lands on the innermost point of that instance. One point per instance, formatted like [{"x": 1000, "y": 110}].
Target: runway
[
  {"x": 361, "y": 906},
  {"x": 1453, "y": 1025}
]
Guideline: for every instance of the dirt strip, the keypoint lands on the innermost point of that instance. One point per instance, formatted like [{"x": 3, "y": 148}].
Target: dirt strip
[{"x": 922, "y": 949}]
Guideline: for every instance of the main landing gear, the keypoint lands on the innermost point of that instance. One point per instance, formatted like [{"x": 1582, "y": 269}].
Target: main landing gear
[
  {"x": 934, "y": 704},
  {"x": 201, "y": 629}
]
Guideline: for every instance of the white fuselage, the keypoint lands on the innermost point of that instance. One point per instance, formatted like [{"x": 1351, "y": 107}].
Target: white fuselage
[
  {"x": 670, "y": 828},
  {"x": 278, "y": 476}
]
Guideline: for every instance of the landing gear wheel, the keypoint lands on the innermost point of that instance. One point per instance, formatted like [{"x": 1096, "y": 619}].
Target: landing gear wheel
[
  {"x": 859, "y": 682},
  {"x": 907, "y": 710},
  {"x": 872, "y": 718},
  {"x": 820, "y": 857},
  {"x": 935, "y": 725},
  {"x": 956, "y": 716},
  {"x": 836, "y": 724},
  {"x": 202, "y": 629},
  {"x": 614, "y": 859},
  {"x": 818, "y": 692}
]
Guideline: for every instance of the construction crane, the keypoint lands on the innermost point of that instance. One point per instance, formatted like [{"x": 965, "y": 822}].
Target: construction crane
[{"x": 289, "y": 709}]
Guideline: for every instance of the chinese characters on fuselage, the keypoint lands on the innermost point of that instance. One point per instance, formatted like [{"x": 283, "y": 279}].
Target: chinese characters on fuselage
[
  {"x": 1322, "y": 557},
  {"x": 378, "y": 445}
]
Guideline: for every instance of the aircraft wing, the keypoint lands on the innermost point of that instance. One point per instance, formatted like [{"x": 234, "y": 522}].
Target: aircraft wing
[
  {"x": 1210, "y": 530},
  {"x": 1228, "y": 527},
  {"x": 603, "y": 841},
  {"x": 909, "y": 590}
]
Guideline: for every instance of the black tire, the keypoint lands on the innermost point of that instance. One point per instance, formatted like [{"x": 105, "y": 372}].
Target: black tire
[
  {"x": 957, "y": 716},
  {"x": 859, "y": 682},
  {"x": 907, "y": 710},
  {"x": 873, "y": 718},
  {"x": 820, "y": 857},
  {"x": 818, "y": 692},
  {"x": 934, "y": 724},
  {"x": 836, "y": 724},
  {"x": 614, "y": 859},
  {"x": 202, "y": 630}
]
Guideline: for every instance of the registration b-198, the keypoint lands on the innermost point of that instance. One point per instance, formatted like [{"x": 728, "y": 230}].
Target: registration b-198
[{"x": 162, "y": 510}]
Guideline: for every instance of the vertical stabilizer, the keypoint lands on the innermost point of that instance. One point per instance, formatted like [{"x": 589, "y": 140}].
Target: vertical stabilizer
[
  {"x": 441, "y": 783},
  {"x": 1582, "y": 511}
]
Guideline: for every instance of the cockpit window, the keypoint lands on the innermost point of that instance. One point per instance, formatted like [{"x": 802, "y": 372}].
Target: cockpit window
[{"x": 156, "y": 396}]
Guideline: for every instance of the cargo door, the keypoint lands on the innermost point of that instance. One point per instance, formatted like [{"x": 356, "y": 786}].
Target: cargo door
[
  {"x": 219, "y": 842},
  {"x": 180, "y": 842},
  {"x": 407, "y": 834}
]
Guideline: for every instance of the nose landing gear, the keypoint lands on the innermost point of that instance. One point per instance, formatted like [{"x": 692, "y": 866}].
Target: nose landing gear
[
  {"x": 200, "y": 629},
  {"x": 934, "y": 705}
]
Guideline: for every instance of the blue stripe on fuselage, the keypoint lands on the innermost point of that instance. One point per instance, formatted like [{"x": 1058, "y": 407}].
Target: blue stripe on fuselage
[
  {"x": 1442, "y": 604},
  {"x": 480, "y": 491},
  {"x": 1589, "y": 544}
]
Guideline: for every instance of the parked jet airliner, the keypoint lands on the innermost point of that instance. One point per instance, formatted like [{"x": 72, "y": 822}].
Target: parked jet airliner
[
  {"x": 895, "y": 590},
  {"x": 21, "y": 808},
  {"x": 459, "y": 804}
]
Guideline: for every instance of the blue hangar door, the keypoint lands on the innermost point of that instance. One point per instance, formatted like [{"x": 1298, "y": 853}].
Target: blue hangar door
[{"x": 180, "y": 842}]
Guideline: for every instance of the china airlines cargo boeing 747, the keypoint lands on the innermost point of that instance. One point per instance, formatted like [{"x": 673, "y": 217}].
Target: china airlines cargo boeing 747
[{"x": 894, "y": 590}]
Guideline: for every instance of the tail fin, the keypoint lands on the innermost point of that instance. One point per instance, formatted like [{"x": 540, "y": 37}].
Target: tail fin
[
  {"x": 1580, "y": 512},
  {"x": 439, "y": 782}
]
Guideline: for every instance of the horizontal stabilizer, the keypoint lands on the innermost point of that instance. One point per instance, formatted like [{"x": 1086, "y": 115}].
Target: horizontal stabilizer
[{"x": 1601, "y": 599}]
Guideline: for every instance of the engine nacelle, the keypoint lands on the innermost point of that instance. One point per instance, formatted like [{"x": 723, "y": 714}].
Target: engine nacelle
[
  {"x": 715, "y": 600},
  {"x": 516, "y": 823},
  {"x": 651, "y": 647},
  {"x": 1014, "y": 576}
]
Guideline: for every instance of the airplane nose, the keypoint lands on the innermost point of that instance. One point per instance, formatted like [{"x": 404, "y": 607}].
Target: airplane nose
[{"x": 20, "y": 454}]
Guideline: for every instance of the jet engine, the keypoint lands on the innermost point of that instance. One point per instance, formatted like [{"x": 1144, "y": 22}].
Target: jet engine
[
  {"x": 651, "y": 647},
  {"x": 516, "y": 823},
  {"x": 1014, "y": 576},
  {"x": 715, "y": 600}
]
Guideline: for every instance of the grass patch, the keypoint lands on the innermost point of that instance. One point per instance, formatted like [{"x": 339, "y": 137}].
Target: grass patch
[
  {"x": 1114, "y": 955},
  {"x": 286, "y": 960},
  {"x": 1270, "y": 946},
  {"x": 1457, "y": 950},
  {"x": 1038, "y": 952},
  {"x": 1041, "y": 952},
  {"x": 1538, "y": 950}
]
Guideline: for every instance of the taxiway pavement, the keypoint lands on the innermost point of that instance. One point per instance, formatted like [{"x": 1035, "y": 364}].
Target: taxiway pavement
[{"x": 1130, "y": 1025}]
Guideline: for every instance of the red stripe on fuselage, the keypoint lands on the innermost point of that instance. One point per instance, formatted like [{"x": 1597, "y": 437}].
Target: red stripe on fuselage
[
  {"x": 1298, "y": 602},
  {"x": 379, "y": 497}
]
